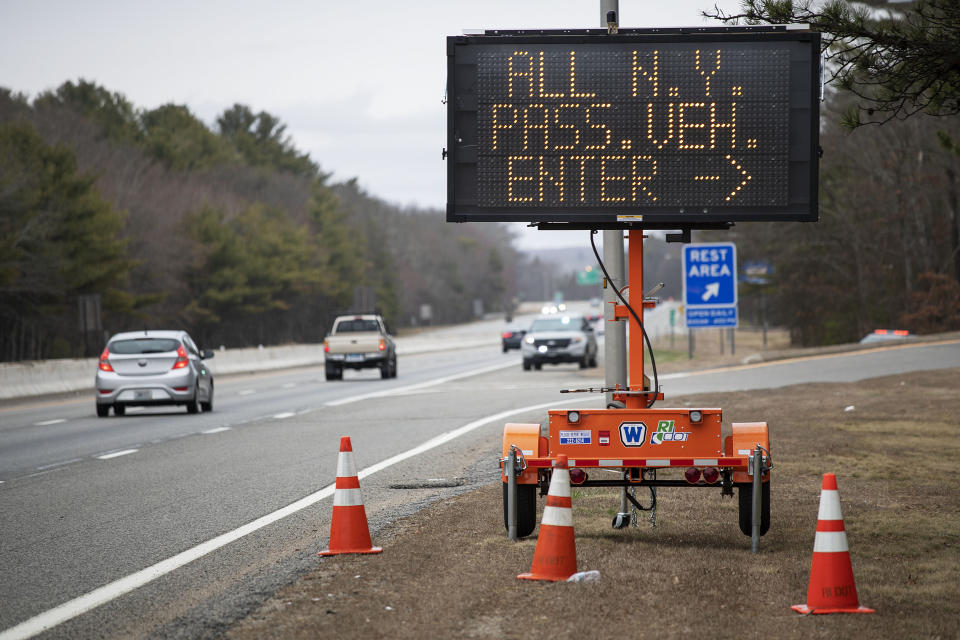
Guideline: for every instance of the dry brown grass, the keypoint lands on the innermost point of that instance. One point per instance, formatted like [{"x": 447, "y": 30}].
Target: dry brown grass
[{"x": 448, "y": 571}]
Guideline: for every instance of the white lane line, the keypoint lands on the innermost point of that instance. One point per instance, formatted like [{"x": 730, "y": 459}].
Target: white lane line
[
  {"x": 419, "y": 385},
  {"x": 47, "y": 423},
  {"x": 69, "y": 610},
  {"x": 217, "y": 430},
  {"x": 289, "y": 385},
  {"x": 284, "y": 416},
  {"x": 59, "y": 464},
  {"x": 116, "y": 454},
  {"x": 247, "y": 392}
]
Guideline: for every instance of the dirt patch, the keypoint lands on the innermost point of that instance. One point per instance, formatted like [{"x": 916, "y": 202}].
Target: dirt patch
[{"x": 449, "y": 570}]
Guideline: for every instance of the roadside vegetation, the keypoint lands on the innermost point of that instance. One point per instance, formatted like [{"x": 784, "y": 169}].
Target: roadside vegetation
[
  {"x": 886, "y": 252},
  {"x": 449, "y": 571},
  {"x": 227, "y": 230}
]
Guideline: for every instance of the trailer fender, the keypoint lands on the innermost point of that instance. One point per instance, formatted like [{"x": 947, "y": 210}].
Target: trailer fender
[
  {"x": 526, "y": 437},
  {"x": 744, "y": 440}
]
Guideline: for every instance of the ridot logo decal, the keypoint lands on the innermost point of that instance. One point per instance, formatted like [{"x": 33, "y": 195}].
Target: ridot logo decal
[
  {"x": 633, "y": 434},
  {"x": 666, "y": 433}
]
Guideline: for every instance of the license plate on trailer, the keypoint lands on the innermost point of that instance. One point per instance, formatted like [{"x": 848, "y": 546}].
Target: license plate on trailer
[{"x": 354, "y": 358}]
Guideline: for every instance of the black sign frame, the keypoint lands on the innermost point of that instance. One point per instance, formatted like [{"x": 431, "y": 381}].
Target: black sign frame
[{"x": 463, "y": 147}]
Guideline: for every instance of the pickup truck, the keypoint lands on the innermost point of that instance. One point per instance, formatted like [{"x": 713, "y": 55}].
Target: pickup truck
[{"x": 359, "y": 342}]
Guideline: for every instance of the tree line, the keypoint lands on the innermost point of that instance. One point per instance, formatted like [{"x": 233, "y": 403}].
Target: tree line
[{"x": 228, "y": 231}]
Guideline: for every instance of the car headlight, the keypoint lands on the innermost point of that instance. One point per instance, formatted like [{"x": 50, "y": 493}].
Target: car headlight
[
  {"x": 528, "y": 339},
  {"x": 576, "y": 339}
]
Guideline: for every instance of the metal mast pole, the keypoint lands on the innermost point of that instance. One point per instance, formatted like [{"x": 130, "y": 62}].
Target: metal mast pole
[{"x": 615, "y": 332}]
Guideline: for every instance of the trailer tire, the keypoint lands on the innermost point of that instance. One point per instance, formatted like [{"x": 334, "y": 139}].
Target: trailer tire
[
  {"x": 745, "y": 492},
  {"x": 526, "y": 509}
]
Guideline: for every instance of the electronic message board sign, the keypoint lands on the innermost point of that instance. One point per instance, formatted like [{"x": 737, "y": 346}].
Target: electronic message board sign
[{"x": 643, "y": 128}]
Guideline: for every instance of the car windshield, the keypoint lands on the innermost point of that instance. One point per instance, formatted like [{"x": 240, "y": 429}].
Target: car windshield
[
  {"x": 560, "y": 323},
  {"x": 144, "y": 345},
  {"x": 357, "y": 325}
]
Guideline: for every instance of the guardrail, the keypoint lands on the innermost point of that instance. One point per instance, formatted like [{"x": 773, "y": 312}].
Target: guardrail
[{"x": 43, "y": 377}]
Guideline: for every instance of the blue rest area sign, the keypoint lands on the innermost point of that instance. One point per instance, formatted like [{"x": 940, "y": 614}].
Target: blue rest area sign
[{"x": 710, "y": 284}]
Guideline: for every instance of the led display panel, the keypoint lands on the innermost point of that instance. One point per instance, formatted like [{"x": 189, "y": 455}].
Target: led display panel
[{"x": 662, "y": 128}]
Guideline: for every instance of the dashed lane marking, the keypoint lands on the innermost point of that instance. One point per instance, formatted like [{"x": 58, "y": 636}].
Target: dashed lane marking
[{"x": 116, "y": 454}]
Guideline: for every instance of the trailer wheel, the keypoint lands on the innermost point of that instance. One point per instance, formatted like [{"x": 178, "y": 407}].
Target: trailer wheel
[
  {"x": 526, "y": 509},
  {"x": 746, "y": 508}
]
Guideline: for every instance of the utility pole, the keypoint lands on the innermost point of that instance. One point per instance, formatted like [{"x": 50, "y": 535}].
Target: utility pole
[{"x": 615, "y": 332}]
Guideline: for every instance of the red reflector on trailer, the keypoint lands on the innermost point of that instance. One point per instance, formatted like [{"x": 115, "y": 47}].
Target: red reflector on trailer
[
  {"x": 711, "y": 475},
  {"x": 692, "y": 475},
  {"x": 578, "y": 476}
]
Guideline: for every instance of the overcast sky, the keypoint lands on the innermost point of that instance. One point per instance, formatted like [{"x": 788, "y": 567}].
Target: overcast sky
[{"x": 358, "y": 84}]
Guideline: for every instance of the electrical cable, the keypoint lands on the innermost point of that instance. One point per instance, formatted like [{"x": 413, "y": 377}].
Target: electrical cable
[{"x": 646, "y": 338}]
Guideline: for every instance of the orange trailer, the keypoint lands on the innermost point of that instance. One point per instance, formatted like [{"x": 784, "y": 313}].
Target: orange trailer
[{"x": 642, "y": 444}]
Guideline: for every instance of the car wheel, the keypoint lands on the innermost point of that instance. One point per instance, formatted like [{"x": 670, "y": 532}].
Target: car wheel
[
  {"x": 333, "y": 372},
  {"x": 207, "y": 406},
  {"x": 119, "y": 409},
  {"x": 506, "y": 348},
  {"x": 593, "y": 361},
  {"x": 103, "y": 410},
  {"x": 193, "y": 406},
  {"x": 526, "y": 365},
  {"x": 538, "y": 365},
  {"x": 385, "y": 370},
  {"x": 393, "y": 368},
  {"x": 584, "y": 361}
]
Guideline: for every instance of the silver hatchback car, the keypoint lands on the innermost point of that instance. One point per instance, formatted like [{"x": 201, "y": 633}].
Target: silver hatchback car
[{"x": 151, "y": 368}]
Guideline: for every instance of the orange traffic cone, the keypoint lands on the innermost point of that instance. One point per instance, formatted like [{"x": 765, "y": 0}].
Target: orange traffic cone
[
  {"x": 555, "y": 557},
  {"x": 349, "y": 532},
  {"x": 831, "y": 589}
]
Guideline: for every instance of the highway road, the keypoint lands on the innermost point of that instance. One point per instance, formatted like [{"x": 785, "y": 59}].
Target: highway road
[{"x": 168, "y": 524}]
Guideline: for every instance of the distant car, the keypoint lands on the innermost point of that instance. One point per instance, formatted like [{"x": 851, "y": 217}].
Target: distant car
[
  {"x": 153, "y": 368},
  {"x": 556, "y": 338},
  {"x": 511, "y": 338},
  {"x": 886, "y": 335}
]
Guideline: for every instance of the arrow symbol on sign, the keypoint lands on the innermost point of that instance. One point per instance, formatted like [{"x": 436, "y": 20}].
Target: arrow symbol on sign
[{"x": 713, "y": 290}]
